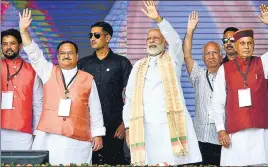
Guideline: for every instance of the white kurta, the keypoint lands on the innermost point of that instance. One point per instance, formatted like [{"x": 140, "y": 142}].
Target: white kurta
[
  {"x": 64, "y": 150},
  {"x": 249, "y": 146},
  {"x": 15, "y": 140},
  {"x": 157, "y": 137}
]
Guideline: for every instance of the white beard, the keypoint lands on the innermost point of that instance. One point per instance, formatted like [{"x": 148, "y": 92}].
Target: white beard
[{"x": 156, "y": 51}]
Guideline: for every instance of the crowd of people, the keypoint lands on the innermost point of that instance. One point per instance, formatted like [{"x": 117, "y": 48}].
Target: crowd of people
[{"x": 76, "y": 110}]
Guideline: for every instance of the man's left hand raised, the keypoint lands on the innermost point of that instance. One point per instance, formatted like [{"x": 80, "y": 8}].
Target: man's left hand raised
[{"x": 151, "y": 11}]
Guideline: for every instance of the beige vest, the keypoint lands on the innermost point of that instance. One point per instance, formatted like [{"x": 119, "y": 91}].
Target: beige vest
[{"x": 77, "y": 125}]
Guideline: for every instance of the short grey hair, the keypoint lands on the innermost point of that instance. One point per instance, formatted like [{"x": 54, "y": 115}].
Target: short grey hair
[{"x": 219, "y": 46}]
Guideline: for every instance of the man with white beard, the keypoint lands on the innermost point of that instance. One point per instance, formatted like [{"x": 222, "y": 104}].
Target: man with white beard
[{"x": 159, "y": 127}]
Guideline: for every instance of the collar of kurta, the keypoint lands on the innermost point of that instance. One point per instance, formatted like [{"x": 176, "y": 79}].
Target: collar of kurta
[
  {"x": 244, "y": 61},
  {"x": 15, "y": 61}
]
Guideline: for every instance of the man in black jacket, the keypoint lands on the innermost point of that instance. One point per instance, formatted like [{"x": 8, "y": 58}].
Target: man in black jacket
[{"x": 111, "y": 72}]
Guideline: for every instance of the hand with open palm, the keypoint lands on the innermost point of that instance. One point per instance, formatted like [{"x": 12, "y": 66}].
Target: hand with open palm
[
  {"x": 25, "y": 20},
  {"x": 193, "y": 21},
  {"x": 151, "y": 11},
  {"x": 264, "y": 14}
]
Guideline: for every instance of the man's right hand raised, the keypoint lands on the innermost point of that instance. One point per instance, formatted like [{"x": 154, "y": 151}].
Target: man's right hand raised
[
  {"x": 193, "y": 21},
  {"x": 25, "y": 20}
]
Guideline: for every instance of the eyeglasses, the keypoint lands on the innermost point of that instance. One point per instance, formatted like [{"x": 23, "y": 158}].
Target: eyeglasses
[
  {"x": 153, "y": 38},
  {"x": 97, "y": 35},
  {"x": 68, "y": 53},
  {"x": 211, "y": 53},
  {"x": 225, "y": 40}
]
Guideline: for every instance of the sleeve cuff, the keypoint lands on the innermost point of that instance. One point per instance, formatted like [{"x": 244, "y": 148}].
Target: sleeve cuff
[
  {"x": 34, "y": 132},
  {"x": 98, "y": 132},
  {"x": 126, "y": 124},
  {"x": 220, "y": 127},
  {"x": 162, "y": 23}
]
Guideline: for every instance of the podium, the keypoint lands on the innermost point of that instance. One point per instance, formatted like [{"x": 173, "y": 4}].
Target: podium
[{"x": 24, "y": 157}]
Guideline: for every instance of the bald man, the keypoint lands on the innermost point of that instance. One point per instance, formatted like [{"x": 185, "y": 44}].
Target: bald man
[{"x": 202, "y": 80}]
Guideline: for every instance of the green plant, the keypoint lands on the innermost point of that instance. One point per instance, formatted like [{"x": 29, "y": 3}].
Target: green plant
[
  {"x": 12, "y": 164},
  {"x": 48, "y": 165},
  {"x": 84, "y": 165},
  {"x": 73, "y": 165}
]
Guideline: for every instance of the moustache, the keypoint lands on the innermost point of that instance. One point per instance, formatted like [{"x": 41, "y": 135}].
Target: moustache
[
  {"x": 229, "y": 46},
  {"x": 9, "y": 50},
  {"x": 152, "y": 45},
  {"x": 66, "y": 59}
]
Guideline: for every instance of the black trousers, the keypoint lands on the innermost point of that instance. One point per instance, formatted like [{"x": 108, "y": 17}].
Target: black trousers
[
  {"x": 112, "y": 152},
  {"x": 211, "y": 153}
]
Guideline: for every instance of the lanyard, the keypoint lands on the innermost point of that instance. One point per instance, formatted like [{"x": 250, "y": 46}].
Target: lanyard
[
  {"x": 8, "y": 73},
  {"x": 209, "y": 81},
  {"x": 66, "y": 87},
  {"x": 245, "y": 76}
]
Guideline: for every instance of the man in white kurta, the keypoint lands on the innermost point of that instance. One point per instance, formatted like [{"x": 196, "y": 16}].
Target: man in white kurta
[
  {"x": 248, "y": 146},
  {"x": 158, "y": 146},
  {"x": 62, "y": 149}
]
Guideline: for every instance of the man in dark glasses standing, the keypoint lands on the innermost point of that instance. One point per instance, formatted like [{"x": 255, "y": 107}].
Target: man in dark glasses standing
[
  {"x": 228, "y": 44},
  {"x": 111, "y": 72}
]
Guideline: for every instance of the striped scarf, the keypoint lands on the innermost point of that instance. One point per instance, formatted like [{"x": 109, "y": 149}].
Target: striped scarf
[{"x": 174, "y": 109}]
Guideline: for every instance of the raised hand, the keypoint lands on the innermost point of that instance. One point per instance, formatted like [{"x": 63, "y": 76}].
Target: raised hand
[
  {"x": 264, "y": 14},
  {"x": 151, "y": 11},
  {"x": 193, "y": 20},
  {"x": 25, "y": 20}
]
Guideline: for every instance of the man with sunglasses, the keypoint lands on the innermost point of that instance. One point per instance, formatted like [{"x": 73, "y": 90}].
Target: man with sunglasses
[
  {"x": 228, "y": 44},
  {"x": 202, "y": 81},
  {"x": 111, "y": 72},
  {"x": 22, "y": 99},
  {"x": 71, "y": 124},
  {"x": 240, "y": 103}
]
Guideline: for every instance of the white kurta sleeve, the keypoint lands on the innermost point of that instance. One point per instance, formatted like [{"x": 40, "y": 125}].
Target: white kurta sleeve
[
  {"x": 129, "y": 89},
  {"x": 195, "y": 74},
  {"x": 42, "y": 67},
  {"x": 219, "y": 100},
  {"x": 37, "y": 101},
  {"x": 264, "y": 59},
  {"x": 174, "y": 41},
  {"x": 96, "y": 118}
]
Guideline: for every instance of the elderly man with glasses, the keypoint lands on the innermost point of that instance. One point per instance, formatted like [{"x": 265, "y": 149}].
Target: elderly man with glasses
[
  {"x": 240, "y": 105},
  {"x": 71, "y": 124}
]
